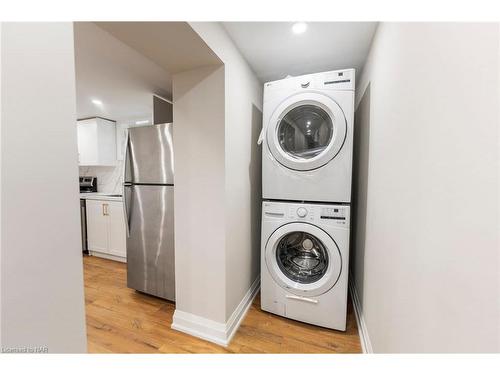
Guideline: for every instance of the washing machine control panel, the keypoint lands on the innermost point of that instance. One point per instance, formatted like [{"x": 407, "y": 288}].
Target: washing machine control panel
[
  {"x": 312, "y": 213},
  {"x": 337, "y": 214}
]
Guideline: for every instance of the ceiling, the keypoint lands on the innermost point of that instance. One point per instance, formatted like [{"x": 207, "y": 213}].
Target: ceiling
[
  {"x": 121, "y": 78},
  {"x": 274, "y": 51},
  {"x": 175, "y": 46},
  {"x": 123, "y": 64}
]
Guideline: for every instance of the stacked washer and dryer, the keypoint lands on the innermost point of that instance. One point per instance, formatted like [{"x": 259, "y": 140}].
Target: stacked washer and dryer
[{"x": 307, "y": 148}]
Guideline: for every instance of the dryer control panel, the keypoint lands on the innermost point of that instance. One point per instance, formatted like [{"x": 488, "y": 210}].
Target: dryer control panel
[{"x": 336, "y": 80}]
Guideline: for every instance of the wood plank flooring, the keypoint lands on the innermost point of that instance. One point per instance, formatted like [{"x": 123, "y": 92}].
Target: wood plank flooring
[{"x": 121, "y": 320}]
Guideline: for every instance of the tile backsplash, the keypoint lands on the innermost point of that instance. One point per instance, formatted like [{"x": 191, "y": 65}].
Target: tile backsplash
[{"x": 109, "y": 179}]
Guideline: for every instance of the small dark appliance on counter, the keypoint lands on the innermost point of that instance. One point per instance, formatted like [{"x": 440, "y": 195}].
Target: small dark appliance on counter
[{"x": 88, "y": 184}]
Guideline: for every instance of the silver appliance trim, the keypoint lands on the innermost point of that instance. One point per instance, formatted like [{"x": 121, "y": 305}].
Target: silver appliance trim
[
  {"x": 83, "y": 225},
  {"x": 125, "y": 185}
]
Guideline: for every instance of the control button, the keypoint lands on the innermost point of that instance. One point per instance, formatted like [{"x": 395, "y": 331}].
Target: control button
[{"x": 301, "y": 212}]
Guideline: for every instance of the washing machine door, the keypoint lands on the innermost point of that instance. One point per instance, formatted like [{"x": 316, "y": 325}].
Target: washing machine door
[
  {"x": 306, "y": 131},
  {"x": 303, "y": 259}
]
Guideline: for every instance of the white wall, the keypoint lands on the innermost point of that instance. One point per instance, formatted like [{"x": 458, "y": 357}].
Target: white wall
[
  {"x": 41, "y": 267},
  {"x": 243, "y": 119},
  {"x": 200, "y": 226},
  {"x": 427, "y": 274},
  {"x": 1, "y": 308}
]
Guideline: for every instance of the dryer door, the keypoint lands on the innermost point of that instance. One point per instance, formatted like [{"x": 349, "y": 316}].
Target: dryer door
[
  {"x": 303, "y": 259},
  {"x": 306, "y": 131}
]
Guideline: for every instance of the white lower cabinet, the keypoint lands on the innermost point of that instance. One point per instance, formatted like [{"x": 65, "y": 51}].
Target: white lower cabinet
[
  {"x": 97, "y": 226},
  {"x": 106, "y": 234}
]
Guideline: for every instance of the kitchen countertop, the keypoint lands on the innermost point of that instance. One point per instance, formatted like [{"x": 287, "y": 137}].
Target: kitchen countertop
[{"x": 101, "y": 196}]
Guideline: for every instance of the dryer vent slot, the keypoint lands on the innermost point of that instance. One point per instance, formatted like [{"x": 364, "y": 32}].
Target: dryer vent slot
[{"x": 275, "y": 214}]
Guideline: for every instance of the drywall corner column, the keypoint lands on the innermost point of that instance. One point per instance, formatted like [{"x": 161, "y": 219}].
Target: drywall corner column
[
  {"x": 41, "y": 267},
  {"x": 243, "y": 122},
  {"x": 217, "y": 120},
  {"x": 200, "y": 243},
  {"x": 426, "y": 255}
]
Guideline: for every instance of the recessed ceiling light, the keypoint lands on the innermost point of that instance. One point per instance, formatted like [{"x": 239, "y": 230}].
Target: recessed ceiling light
[
  {"x": 142, "y": 122},
  {"x": 299, "y": 27},
  {"x": 96, "y": 101}
]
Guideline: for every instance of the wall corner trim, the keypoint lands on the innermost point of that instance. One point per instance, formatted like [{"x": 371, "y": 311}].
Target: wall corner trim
[
  {"x": 218, "y": 333},
  {"x": 366, "y": 344}
]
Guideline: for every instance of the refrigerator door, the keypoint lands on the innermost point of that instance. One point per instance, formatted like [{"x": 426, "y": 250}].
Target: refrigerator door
[
  {"x": 149, "y": 156},
  {"x": 150, "y": 244}
]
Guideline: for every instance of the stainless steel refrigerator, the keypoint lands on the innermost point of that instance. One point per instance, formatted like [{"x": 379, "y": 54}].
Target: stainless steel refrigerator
[{"x": 148, "y": 199}]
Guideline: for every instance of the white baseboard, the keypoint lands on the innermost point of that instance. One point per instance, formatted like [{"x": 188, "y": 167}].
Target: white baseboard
[
  {"x": 108, "y": 256},
  {"x": 366, "y": 344},
  {"x": 213, "y": 331}
]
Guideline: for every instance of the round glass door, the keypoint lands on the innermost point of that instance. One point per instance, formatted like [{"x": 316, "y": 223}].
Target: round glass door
[
  {"x": 302, "y": 257},
  {"x": 306, "y": 131}
]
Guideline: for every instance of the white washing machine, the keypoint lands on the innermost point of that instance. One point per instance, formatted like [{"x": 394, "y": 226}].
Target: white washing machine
[
  {"x": 304, "y": 262},
  {"x": 307, "y": 137}
]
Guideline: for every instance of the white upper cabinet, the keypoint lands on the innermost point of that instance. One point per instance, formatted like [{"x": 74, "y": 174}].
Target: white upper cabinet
[{"x": 96, "y": 142}]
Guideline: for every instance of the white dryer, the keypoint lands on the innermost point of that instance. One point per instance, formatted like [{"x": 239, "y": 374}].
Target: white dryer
[
  {"x": 307, "y": 137},
  {"x": 304, "y": 262}
]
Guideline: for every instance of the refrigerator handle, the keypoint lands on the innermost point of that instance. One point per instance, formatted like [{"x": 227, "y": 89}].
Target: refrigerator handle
[
  {"x": 125, "y": 207},
  {"x": 126, "y": 184},
  {"x": 126, "y": 157}
]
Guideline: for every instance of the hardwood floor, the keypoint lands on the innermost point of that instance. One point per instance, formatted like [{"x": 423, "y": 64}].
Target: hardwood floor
[{"x": 121, "y": 320}]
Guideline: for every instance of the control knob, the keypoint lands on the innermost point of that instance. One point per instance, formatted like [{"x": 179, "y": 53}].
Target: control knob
[{"x": 301, "y": 212}]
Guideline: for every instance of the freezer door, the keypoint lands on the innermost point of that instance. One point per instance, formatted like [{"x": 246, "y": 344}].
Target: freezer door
[
  {"x": 150, "y": 244},
  {"x": 149, "y": 156}
]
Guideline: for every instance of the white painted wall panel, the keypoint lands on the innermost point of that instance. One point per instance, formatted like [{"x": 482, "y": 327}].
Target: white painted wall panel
[
  {"x": 427, "y": 274},
  {"x": 199, "y": 192},
  {"x": 41, "y": 267}
]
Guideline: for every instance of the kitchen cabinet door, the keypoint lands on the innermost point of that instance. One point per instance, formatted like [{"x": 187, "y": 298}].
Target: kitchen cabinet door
[
  {"x": 97, "y": 226},
  {"x": 96, "y": 142},
  {"x": 116, "y": 230},
  {"x": 87, "y": 142}
]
